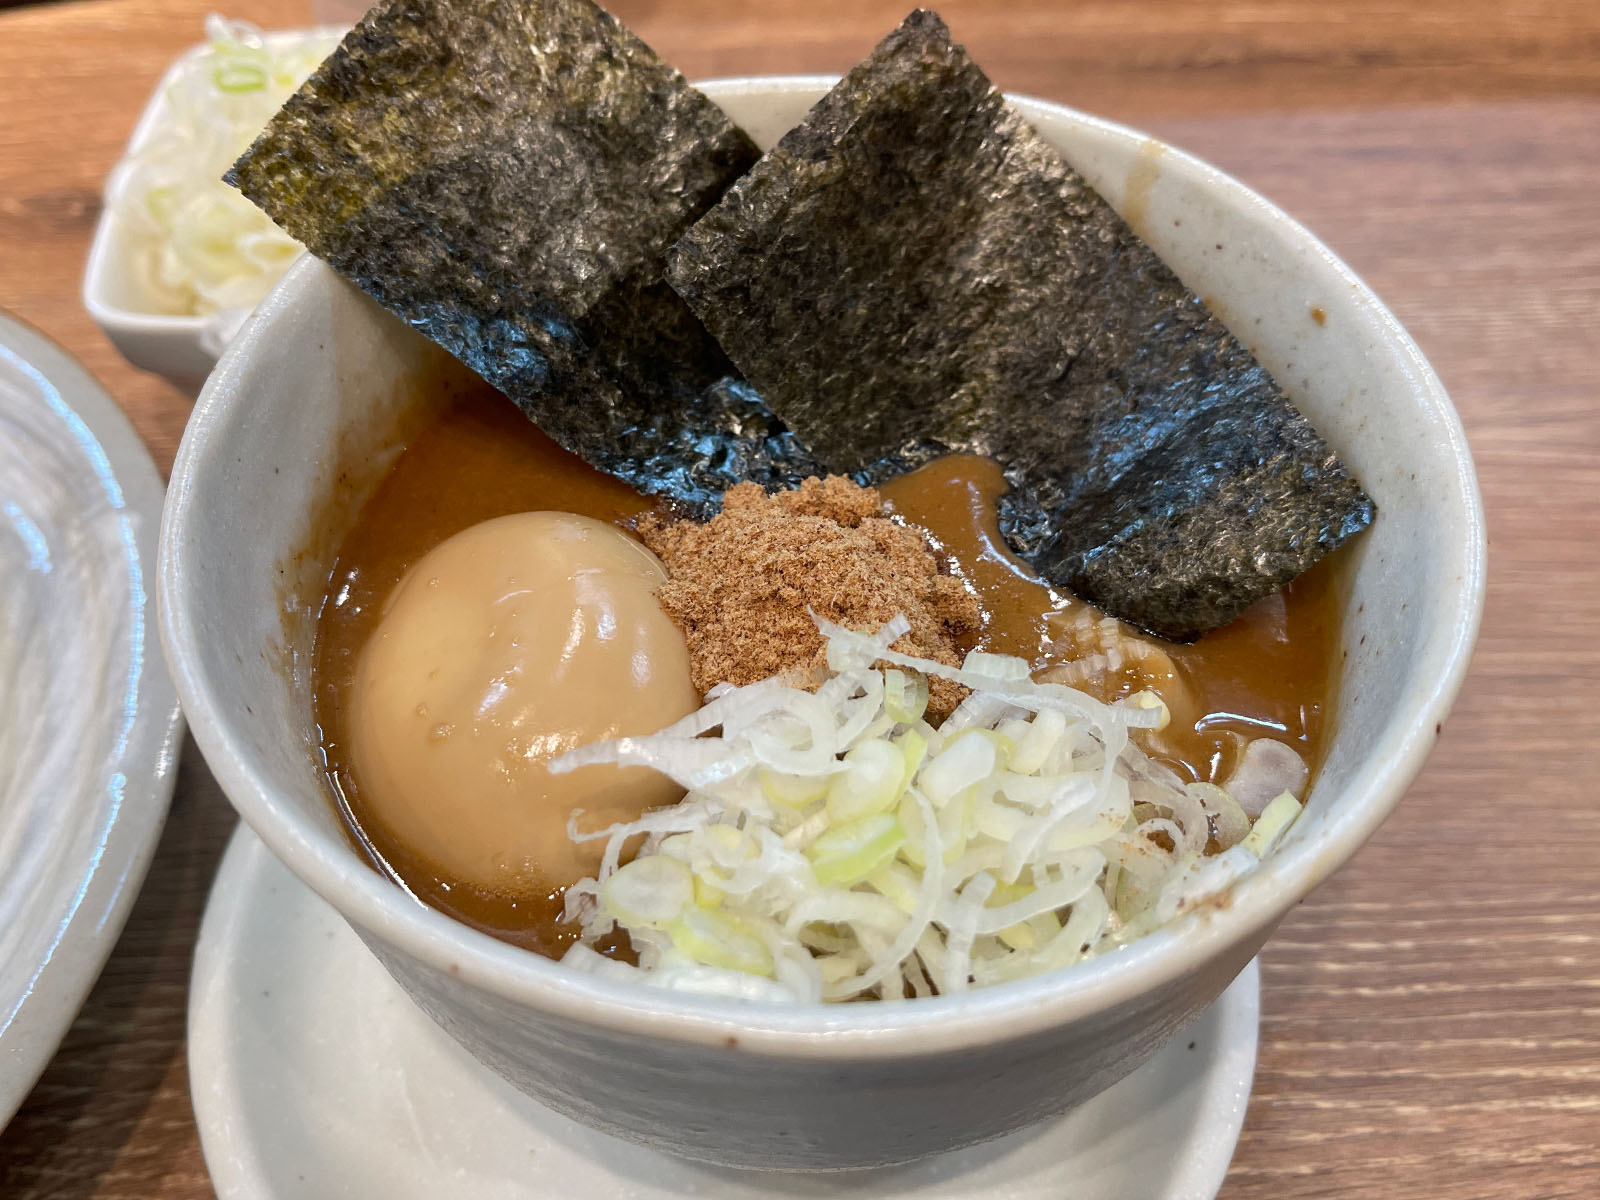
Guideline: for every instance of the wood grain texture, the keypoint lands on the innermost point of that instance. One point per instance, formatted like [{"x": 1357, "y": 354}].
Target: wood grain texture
[{"x": 1431, "y": 1017}]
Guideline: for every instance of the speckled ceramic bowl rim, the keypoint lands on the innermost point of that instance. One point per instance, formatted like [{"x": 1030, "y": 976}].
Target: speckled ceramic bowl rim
[{"x": 333, "y": 869}]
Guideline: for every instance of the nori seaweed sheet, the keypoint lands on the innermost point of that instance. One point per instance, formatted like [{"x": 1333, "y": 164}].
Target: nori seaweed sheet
[
  {"x": 505, "y": 176},
  {"x": 914, "y": 267}
]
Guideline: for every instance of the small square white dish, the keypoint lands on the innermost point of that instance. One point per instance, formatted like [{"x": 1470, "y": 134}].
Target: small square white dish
[{"x": 181, "y": 349}]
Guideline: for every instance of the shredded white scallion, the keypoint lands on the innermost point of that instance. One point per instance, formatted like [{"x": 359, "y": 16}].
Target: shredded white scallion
[
  {"x": 835, "y": 845},
  {"x": 205, "y": 249}
]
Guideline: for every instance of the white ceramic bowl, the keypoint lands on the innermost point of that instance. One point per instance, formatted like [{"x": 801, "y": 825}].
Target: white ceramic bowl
[
  {"x": 307, "y": 407},
  {"x": 89, "y": 724}
]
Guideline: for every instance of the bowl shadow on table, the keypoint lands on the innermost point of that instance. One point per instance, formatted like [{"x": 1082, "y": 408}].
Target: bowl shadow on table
[{"x": 122, "y": 1066}]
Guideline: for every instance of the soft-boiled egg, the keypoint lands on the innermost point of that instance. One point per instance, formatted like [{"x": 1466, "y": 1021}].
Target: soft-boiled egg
[{"x": 507, "y": 644}]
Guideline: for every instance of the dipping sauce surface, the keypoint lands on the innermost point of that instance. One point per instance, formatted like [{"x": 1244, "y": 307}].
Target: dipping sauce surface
[{"x": 1268, "y": 673}]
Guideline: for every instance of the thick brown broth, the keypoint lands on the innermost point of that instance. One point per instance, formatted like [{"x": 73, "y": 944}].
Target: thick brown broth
[
  {"x": 1268, "y": 672},
  {"x": 480, "y": 459}
]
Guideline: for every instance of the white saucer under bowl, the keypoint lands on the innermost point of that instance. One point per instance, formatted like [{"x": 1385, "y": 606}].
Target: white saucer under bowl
[
  {"x": 314, "y": 1077},
  {"x": 89, "y": 723}
]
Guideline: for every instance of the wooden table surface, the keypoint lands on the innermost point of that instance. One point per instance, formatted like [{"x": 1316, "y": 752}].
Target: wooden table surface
[{"x": 1431, "y": 1016}]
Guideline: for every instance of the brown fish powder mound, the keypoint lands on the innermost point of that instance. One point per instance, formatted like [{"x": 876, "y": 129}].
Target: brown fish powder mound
[{"x": 740, "y": 585}]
